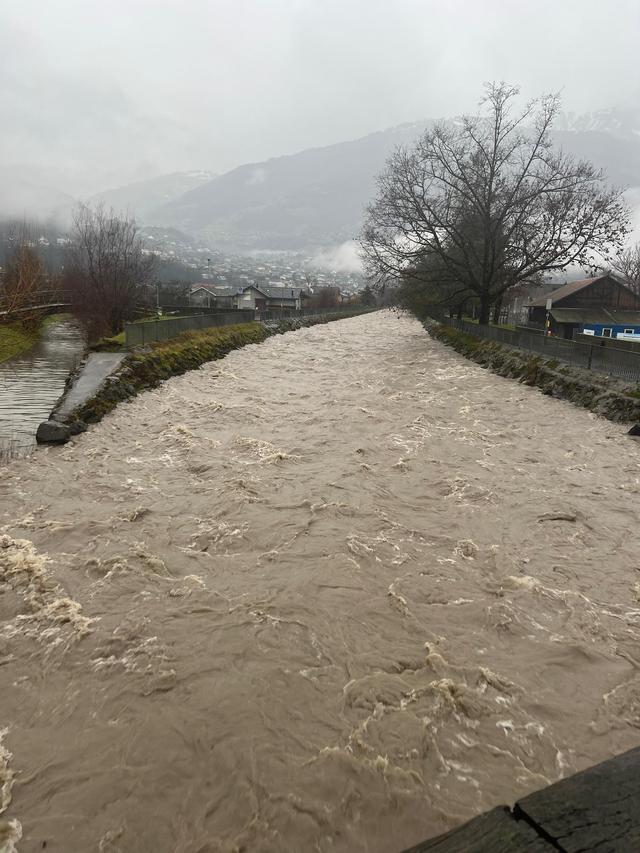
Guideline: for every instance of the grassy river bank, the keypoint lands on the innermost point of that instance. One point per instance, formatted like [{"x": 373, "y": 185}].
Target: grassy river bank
[{"x": 21, "y": 336}]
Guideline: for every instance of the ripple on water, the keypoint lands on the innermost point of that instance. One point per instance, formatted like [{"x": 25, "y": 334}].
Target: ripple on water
[
  {"x": 345, "y": 590},
  {"x": 32, "y": 382}
]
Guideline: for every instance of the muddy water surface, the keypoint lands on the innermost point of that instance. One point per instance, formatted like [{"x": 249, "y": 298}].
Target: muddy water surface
[{"x": 338, "y": 592}]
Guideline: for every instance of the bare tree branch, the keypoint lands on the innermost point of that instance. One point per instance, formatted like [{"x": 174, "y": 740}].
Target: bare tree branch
[
  {"x": 490, "y": 203},
  {"x": 107, "y": 269},
  {"x": 24, "y": 273}
]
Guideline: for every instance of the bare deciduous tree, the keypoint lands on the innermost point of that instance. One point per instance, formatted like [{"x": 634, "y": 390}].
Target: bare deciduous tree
[
  {"x": 24, "y": 275},
  {"x": 367, "y": 296},
  {"x": 627, "y": 267},
  {"x": 324, "y": 297},
  {"x": 429, "y": 286},
  {"x": 107, "y": 269},
  {"x": 490, "y": 203}
]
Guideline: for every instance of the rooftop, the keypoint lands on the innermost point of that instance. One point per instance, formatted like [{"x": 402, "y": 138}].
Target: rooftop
[
  {"x": 276, "y": 292},
  {"x": 608, "y": 316},
  {"x": 566, "y": 290},
  {"x": 216, "y": 289}
]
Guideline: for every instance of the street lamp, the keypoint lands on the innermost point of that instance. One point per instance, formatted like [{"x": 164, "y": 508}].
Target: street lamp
[{"x": 157, "y": 287}]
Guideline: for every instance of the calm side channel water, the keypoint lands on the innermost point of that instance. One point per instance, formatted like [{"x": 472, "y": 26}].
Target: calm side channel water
[{"x": 32, "y": 382}]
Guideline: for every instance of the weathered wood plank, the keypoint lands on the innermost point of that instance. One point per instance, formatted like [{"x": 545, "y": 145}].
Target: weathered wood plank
[
  {"x": 496, "y": 831},
  {"x": 598, "y": 809}
]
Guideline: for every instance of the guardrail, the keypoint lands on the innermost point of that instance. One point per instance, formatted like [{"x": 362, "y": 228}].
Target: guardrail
[{"x": 618, "y": 362}]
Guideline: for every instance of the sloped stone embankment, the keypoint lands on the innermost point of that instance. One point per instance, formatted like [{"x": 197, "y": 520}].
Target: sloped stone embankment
[{"x": 604, "y": 395}]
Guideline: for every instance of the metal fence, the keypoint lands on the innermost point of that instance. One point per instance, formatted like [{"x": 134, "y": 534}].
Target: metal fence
[
  {"x": 618, "y": 362},
  {"x": 290, "y": 313},
  {"x": 152, "y": 331}
]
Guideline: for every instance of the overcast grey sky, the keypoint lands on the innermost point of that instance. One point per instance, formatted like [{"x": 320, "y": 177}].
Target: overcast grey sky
[{"x": 113, "y": 91}]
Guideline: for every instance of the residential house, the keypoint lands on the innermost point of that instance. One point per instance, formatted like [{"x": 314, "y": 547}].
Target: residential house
[
  {"x": 262, "y": 297},
  {"x": 598, "y": 306},
  {"x": 213, "y": 296}
]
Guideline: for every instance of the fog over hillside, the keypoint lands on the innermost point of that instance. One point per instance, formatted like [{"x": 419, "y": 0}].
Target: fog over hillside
[
  {"x": 293, "y": 105},
  {"x": 317, "y": 197},
  {"x": 312, "y": 200},
  {"x": 143, "y": 197}
]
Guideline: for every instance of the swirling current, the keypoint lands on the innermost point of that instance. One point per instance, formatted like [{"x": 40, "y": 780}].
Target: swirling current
[{"x": 339, "y": 591}]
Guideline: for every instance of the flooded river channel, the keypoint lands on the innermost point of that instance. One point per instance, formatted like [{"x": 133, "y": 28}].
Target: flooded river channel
[
  {"x": 340, "y": 591},
  {"x": 32, "y": 382}
]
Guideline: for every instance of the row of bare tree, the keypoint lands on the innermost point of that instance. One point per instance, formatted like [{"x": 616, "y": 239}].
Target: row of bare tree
[
  {"x": 627, "y": 267},
  {"x": 488, "y": 203},
  {"x": 23, "y": 277},
  {"x": 107, "y": 269},
  {"x": 105, "y": 276}
]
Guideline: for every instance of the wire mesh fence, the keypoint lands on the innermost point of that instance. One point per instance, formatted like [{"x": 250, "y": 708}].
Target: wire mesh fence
[
  {"x": 153, "y": 331},
  {"x": 599, "y": 356}
]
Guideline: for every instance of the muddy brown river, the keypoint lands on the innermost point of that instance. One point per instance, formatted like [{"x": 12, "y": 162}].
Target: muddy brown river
[{"x": 340, "y": 591}]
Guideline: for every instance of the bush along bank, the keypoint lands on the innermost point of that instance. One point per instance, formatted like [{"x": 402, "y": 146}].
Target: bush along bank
[
  {"x": 147, "y": 368},
  {"x": 611, "y": 398},
  {"x": 15, "y": 338},
  {"x": 21, "y": 335}
]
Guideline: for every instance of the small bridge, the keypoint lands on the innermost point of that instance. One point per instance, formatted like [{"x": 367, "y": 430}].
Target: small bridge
[{"x": 46, "y": 301}]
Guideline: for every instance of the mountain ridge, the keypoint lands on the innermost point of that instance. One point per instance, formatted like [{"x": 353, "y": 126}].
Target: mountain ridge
[
  {"x": 311, "y": 199},
  {"x": 141, "y": 197},
  {"x": 317, "y": 197}
]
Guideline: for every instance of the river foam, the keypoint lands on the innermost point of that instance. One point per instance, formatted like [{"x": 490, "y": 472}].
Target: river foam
[{"x": 339, "y": 592}]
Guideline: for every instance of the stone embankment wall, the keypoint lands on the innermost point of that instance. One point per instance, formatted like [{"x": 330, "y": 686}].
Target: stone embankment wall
[{"x": 606, "y": 396}]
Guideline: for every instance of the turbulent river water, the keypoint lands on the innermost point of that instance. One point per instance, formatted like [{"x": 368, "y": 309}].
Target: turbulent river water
[{"x": 339, "y": 591}]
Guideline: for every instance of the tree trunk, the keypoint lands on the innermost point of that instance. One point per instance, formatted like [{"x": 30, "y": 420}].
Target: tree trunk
[
  {"x": 496, "y": 310},
  {"x": 485, "y": 309}
]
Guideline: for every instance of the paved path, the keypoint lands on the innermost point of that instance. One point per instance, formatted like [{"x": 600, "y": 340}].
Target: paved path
[{"x": 98, "y": 366}]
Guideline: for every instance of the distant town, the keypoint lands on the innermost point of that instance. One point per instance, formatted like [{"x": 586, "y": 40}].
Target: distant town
[
  {"x": 223, "y": 271},
  {"x": 190, "y": 271}
]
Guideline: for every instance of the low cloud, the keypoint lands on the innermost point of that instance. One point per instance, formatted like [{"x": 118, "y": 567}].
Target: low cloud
[
  {"x": 342, "y": 258},
  {"x": 257, "y": 176}
]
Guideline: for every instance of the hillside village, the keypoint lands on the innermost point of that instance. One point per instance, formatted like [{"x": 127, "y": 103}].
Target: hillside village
[
  {"x": 222, "y": 270},
  {"x": 187, "y": 264}
]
